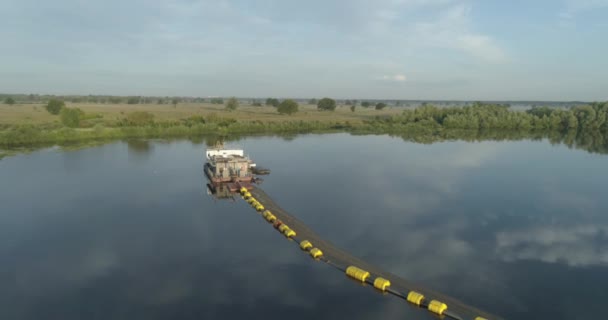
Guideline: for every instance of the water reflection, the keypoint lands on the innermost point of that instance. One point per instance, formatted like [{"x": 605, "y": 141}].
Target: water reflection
[
  {"x": 574, "y": 245},
  {"x": 139, "y": 146},
  {"x": 139, "y": 150}
]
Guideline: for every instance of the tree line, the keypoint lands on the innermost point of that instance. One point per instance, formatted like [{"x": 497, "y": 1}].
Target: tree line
[{"x": 591, "y": 117}]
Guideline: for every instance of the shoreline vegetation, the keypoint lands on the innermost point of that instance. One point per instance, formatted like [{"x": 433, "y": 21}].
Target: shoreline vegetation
[{"x": 583, "y": 126}]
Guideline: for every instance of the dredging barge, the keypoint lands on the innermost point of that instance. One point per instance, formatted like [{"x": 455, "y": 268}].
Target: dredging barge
[{"x": 230, "y": 169}]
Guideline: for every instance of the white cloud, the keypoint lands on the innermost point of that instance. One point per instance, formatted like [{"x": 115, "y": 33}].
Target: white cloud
[
  {"x": 585, "y": 5},
  {"x": 574, "y": 245},
  {"x": 574, "y": 7},
  {"x": 396, "y": 77},
  {"x": 452, "y": 30},
  {"x": 480, "y": 46}
]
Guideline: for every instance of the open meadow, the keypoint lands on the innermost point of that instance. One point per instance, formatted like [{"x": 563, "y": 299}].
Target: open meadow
[{"x": 36, "y": 114}]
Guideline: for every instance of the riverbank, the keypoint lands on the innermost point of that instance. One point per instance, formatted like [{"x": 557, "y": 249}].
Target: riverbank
[{"x": 583, "y": 127}]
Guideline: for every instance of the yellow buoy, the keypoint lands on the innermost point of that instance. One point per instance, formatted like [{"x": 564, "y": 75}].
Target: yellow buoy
[
  {"x": 305, "y": 245},
  {"x": 243, "y": 190},
  {"x": 269, "y": 216},
  {"x": 437, "y": 307},
  {"x": 357, "y": 273},
  {"x": 381, "y": 284},
  {"x": 415, "y": 297},
  {"x": 259, "y": 207},
  {"x": 283, "y": 227},
  {"x": 480, "y": 318},
  {"x": 316, "y": 253},
  {"x": 289, "y": 233}
]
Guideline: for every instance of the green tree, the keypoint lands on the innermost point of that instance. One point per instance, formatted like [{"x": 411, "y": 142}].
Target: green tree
[
  {"x": 217, "y": 101},
  {"x": 70, "y": 117},
  {"x": 272, "y": 102},
  {"x": 326, "y": 104},
  {"x": 232, "y": 104},
  {"x": 54, "y": 106},
  {"x": 9, "y": 101},
  {"x": 365, "y": 104},
  {"x": 133, "y": 100},
  {"x": 174, "y": 102},
  {"x": 352, "y": 108},
  {"x": 312, "y": 101},
  {"x": 380, "y": 105},
  {"x": 288, "y": 106}
]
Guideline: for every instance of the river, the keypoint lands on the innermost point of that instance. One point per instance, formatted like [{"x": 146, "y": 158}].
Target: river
[{"x": 126, "y": 230}]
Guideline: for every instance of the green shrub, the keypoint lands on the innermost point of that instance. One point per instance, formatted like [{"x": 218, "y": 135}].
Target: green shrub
[
  {"x": 54, "y": 106},
  {"x": 380, "y": 105},
  {"x": 232, "y": 104},
  {"x": 70, "y": 117},
  {"x": 9, "y": 101},
  {"x": 326, "y": 104},
  {"x": 288, "y": 106}
]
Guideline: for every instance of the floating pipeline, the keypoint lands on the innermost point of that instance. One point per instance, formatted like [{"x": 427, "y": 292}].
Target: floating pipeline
[{"x": 320, "y": 250}]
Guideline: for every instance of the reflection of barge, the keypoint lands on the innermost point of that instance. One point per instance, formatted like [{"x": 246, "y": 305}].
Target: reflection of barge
[{"x": 229, "y": 170}]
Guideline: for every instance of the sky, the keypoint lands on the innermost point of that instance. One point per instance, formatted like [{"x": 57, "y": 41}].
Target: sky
[{"x": 360, "y": 49}]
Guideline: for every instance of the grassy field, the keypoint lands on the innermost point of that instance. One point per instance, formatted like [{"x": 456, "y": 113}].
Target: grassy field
[
  {"x": 31, "y": 126},
  {"x": 36, "y": 113}
]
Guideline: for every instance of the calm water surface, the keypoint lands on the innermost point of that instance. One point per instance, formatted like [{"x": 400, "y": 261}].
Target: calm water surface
[{"x": 127, "y": 231}]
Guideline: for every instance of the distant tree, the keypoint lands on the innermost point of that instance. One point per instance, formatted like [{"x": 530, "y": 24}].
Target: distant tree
[
  {"x": 115, "y": 100},
  {"x": 272, "y": 102},
  {"x": 353, "y": 107},
  {"x": 160, "y": 101},
  {"x": 540, "y": 111},
  {"x": 232, "y": 104},
  {"x": 174, "y": 102},
  {"x": 365, "y": 104},
  {"x": 380, "y": 105},
  {"x": 326, "y": 104},
  {"x": 54, "y": 106},
  {"x": 133, "y": 100},
  {"x": 70, "y": 117},
  {"x": 9, "y": 101},
  {"x": 288, "y": 106},
  {"x": 139, "y": 118},
  {"x": 312, "y": 101},
  {"x": 256, "y": 104},
  {"x": 217, "y": 101}
]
